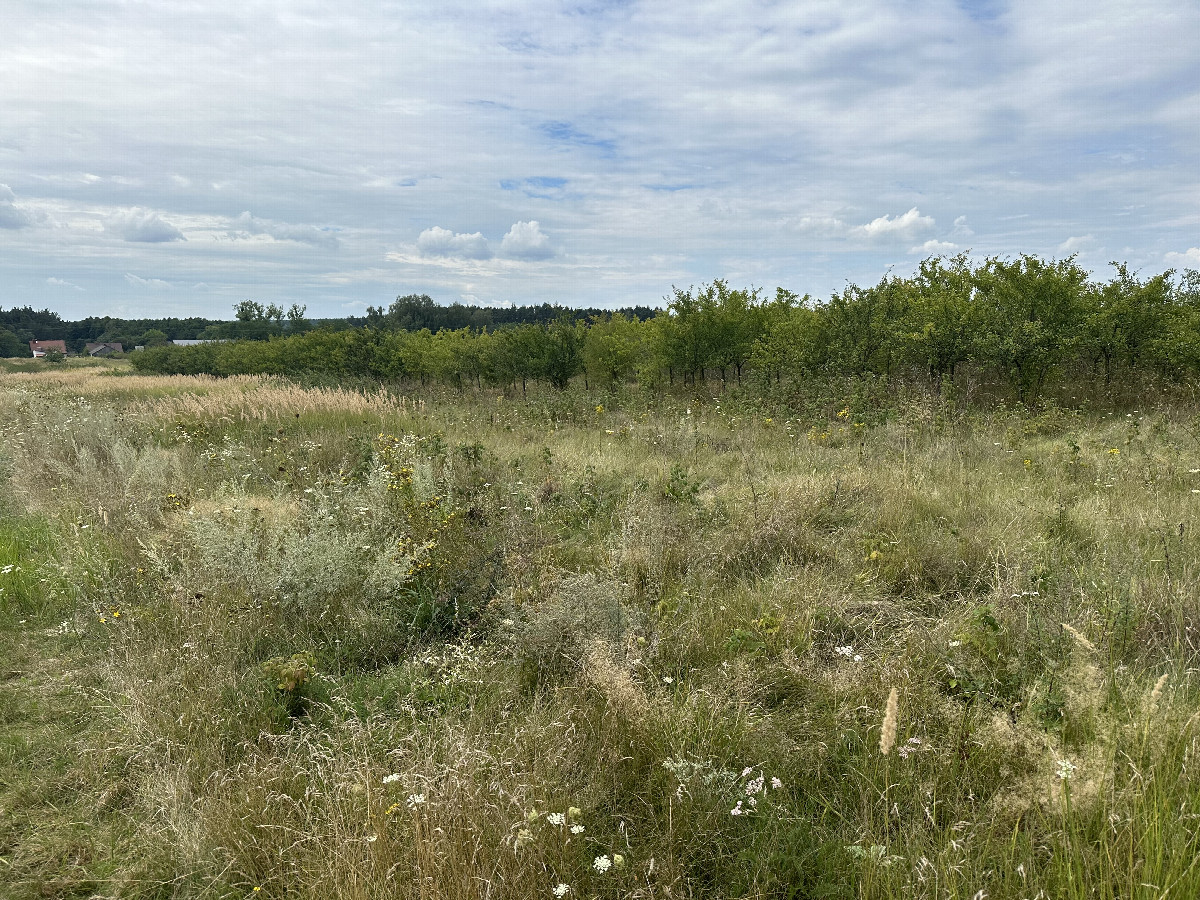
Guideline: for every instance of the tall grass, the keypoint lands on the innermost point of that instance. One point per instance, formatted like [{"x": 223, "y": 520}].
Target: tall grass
[{"x": 347, "y": 644}]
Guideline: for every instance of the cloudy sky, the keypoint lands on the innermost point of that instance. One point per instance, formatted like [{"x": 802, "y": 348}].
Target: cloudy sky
[{"x": 173, "y": 158}]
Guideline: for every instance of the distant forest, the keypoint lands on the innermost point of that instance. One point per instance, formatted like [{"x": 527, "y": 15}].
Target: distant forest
[{"x": 256, "y": 321}]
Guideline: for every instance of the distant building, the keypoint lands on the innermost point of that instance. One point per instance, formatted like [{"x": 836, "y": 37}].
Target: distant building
[
  {"x": 41, "y": 348},
  {"x": 105, "y": 349}
]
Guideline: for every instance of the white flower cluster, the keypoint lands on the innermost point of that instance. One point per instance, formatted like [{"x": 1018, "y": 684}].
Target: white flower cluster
[
  {"x": 848, "y": 652},
  {"x": 753, "y": 789},
  {"x": 909, "y": 747}
]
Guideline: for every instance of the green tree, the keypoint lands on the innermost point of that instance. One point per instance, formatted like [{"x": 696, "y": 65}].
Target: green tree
[
  {"x": 613, "y": 346},
  {"x": 563, "y": 358},
  {"x": 11, "y": 345},
  {"x": 154, "y": 337},
  {"x": 786, "y": 347},
  {"x": 1030, "y": 318},
  {"x": 939, "y": 327}
]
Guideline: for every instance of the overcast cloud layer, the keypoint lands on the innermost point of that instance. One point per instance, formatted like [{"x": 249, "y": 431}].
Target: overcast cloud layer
[{"x": 174, "y": 158}]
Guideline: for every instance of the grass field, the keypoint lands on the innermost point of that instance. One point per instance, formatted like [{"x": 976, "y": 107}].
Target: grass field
[{"x": 267, "y": 641}]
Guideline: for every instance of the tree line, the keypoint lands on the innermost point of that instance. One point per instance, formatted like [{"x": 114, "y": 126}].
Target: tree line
[
  {"x": 1022, "y": 323},
  {"x": 255, "y": 321}
]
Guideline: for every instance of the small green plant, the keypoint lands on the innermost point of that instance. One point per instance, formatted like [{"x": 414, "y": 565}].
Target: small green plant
[
  {"x": 680, "y": 486},
  {"x": 291, "y": 678}
]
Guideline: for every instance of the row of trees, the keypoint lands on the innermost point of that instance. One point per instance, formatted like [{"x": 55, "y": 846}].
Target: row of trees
[
  {"x": 1022, "y": 322},
  {"x": 1019, "y": 322}
]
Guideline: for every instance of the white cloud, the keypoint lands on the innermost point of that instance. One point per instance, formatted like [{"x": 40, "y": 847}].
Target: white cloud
[
  {"x": 437, "y": 241},
  {"x": 595, "y": 119},
  {"x": 142, "y": 226},
  {"x": 934, "y": 248},
  {"x": 151, "y": 283},
  {"x": 1188, "y": 259},
  {"x": 1079, "y": 244},
  {"x": 526, "y": 240},
  {"x": 821, "y": 226},
  {"x": 282, "y": 231},
  {"x": 59, "y": 282},
  {"x": 11, "y": 215},
  {"x": 907, "y": 226}
]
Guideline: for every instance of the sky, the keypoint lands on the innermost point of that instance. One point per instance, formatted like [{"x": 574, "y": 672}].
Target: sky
[{"x": 174, "y": 158}]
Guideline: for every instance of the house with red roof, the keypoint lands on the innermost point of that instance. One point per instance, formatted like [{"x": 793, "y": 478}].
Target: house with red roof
[{"x": 41, "y": 348}]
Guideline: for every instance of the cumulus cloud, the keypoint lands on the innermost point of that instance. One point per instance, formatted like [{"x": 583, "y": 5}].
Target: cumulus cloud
[
  {"x": 906, "y": 226},
  {"x": 961, "y": 228},
  {"x": 934, "y": 248},
  {"x": 59, "y": 282},
  {"x": 1080, "y": 244},
  {"x": 142, "y": 226},
  {"x": 1188, "y": 259},
  {"x": 526, "y": 240},
  {"x": 151, "y": 283},
  {"x": 11, "y": 215},
  {"x": 437, "y": 241},
  {"x": 282, "y": 231}
]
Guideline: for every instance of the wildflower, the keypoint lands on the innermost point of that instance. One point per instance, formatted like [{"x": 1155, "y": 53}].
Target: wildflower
[
  {"x": 391, "y": 779},
  {"x": 532, "y": 815},
  {"x": 556, "y": 818},
  {"x": 602, "y": 864},
  {"x": 737, "y": 810},
  {"x": 887, "y": 732},
  {"x": 776, "y": 783},
  {"x": 561, "y": 890},
  {"x": 754, "y": 787},
  {"x": 1065, "y": 769},
  {"x": 577, "y": 829},
  {"x": 618, "y": 860},
  {"x": 956, "y": 643},
  {"x": 667, "y": 679},
  {"x": 574, "y": 812},
  {"x": 415, "y": 800},
  {"x": 846, "y": 651},
  {"x": 524, "y": 836}
]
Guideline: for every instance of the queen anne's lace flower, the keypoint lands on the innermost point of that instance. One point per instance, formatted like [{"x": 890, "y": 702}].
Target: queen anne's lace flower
[
  {"x": 556, "y": 818},
  {"x": 561, "y": 890},
  {"x": 602, "y": 864}
]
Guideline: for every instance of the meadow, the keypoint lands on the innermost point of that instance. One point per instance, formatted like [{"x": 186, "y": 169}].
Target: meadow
[{"x": 268, "y": 640}]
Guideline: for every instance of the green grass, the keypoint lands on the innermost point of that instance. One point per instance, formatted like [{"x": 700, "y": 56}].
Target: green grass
[{"x": 240, "y": 605}]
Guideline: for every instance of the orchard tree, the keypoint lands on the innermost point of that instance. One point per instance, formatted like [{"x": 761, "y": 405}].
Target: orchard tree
[{"x": 1030, "y": 318}]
